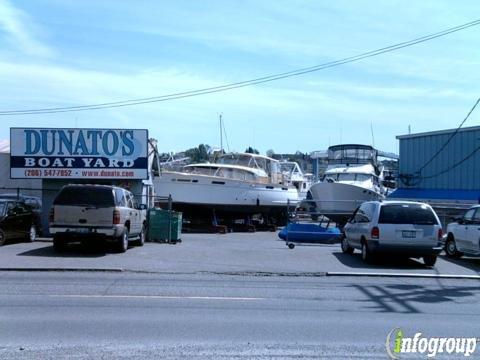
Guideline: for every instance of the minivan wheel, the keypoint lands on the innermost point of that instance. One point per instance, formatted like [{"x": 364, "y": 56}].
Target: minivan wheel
[
  {"x": 32, "y": 233},
  {"x": 430, "y": 260},
  {"x": 366, "y": 253},
  {"x": 122, "y": 241},
  {"x": 346, "y": 248},
  {"x": 451, "y": 248}
]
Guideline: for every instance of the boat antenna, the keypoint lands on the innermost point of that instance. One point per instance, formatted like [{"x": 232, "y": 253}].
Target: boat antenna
[
  {"x": 371, "y": 129},
  {"x": 221, "y": 134},
  {"x": 226, "y": 137}
]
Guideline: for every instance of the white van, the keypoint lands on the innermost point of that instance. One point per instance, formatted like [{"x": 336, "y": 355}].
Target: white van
[{"x": 406, "y": 228}]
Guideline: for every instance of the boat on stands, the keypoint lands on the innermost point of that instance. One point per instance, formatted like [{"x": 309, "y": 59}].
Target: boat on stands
[
  {"x": 237, "y": 183},
  {"x": 351, "y": 178}
]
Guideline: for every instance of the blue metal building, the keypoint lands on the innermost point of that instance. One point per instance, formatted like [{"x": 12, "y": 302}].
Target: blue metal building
[{"x": 440, "y": 166}]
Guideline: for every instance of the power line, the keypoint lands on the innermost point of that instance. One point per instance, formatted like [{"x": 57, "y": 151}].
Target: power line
[
  {"x": 454, "y": 165},
  {"x": 450, "y": 138},
  {"x": 236, "y": 85},
  {"x": 413, "y": 179}
]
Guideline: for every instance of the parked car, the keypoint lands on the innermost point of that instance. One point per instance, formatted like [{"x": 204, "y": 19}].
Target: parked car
[
  {"x": 16, "y": 221},
  {"x": 463, "y": 235},
  {"x": 405, "y": 228},
  {"x": 33, "y": 203},
  {"x": 96, "y": 212}
]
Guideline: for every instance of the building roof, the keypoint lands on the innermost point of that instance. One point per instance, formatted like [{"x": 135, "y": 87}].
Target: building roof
[{"x": 439, "y": 132}]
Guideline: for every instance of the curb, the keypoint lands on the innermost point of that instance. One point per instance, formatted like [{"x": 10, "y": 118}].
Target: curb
[
  {"x": 255, "y": 273},
  {"x": 116, "y": 270},
  {"x": 402, "y": 275}
]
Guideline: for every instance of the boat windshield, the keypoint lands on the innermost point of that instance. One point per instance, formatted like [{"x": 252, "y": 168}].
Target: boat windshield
[
  {"x": 245, "y": 160},
  {"x": 287, "y": 167},
  {"x": 351, "y": 154}
]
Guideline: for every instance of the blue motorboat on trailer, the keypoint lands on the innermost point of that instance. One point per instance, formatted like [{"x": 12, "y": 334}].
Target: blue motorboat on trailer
[{"x": 295, "y": 233}]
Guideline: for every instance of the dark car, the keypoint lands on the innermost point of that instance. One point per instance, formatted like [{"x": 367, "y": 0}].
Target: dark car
[
  {"x": 17, "y": 220},
  {"x": 33, "y": 201}
]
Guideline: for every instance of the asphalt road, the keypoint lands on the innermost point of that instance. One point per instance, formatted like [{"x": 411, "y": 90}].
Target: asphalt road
[{"x": 46, "y": 315}]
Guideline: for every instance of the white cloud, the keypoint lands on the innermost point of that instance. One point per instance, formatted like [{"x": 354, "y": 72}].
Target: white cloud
[{"x": 21, "y": 31}]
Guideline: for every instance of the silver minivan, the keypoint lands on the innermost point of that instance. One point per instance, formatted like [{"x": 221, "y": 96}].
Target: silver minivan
[{"x": 405, "y": 228}]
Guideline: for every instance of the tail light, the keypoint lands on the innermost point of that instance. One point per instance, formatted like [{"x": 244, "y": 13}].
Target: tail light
[
  {"x": 440, "y": 234},
  {"x": 51, "y": 215},
  {"x": 375, "y": 234},
  {"x": 116, "y": 217}
]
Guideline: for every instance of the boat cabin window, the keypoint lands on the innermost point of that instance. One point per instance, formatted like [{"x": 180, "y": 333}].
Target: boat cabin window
[
  {"x": 200, "y": 170},
  {"x": 349, "y": 177}
]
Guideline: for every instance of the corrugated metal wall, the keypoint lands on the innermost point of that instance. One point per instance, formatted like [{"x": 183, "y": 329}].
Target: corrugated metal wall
[{"x": 446, "y": 171}]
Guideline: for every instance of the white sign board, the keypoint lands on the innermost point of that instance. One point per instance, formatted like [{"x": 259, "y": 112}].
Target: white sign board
[{"x": 78, "y": 153}]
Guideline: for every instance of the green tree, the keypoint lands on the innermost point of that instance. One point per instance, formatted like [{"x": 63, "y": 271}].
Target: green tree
[
  {"x": 199, "y": 154},
  {"x": 251, "y": 150}
]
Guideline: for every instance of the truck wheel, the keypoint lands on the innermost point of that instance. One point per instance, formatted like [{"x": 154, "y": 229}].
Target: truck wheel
[
  {"x": 141, "y": 237},
  {"x": 122, "y": 241},
  {"x": 451, "y": 248},
  {"x": 58, "y": 243}
]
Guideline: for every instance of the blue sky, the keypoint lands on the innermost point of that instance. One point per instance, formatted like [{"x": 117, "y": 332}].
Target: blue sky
[{"x": 67, "y": 53}]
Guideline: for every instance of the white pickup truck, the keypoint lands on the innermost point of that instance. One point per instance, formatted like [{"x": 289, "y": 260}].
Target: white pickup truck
[{"x": 463, "y": 235}]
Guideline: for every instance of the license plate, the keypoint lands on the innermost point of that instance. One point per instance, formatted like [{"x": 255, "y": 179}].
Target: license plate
[
  {"x": 409, "y": 234},
  {"x": 80, "y": 230}
]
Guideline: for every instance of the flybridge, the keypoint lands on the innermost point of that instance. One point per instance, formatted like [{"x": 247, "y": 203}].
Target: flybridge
[{"x": 64, "y": 153}]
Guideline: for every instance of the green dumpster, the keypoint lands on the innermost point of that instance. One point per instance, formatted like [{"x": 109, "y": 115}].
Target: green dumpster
[{"x": 159, "y": 221}]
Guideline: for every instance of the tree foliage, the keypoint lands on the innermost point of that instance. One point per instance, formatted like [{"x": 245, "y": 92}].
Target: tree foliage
[
  {"x": 251, "y": 150},
  {"x": 199, "y": 154}
]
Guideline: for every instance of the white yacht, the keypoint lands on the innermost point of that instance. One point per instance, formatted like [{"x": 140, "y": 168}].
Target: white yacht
[
  {"x": 236, "y": 183},
  {"x": 293, "y": 175},
  {"x": 351, "y": 177}
]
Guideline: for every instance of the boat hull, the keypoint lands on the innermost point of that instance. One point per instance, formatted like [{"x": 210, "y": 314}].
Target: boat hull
[
  {"x": 338, "y": 201},
  {"x": 191, "y": 193}
]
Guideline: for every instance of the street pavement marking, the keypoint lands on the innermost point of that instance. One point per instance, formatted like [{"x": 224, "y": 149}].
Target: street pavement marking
[{"x": 161, "y": 297}]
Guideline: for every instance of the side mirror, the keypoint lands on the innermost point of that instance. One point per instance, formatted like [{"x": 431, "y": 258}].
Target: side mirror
[{"x": 11, "y": 212}]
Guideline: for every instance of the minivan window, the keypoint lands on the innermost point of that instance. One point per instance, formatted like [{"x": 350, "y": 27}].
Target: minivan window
[
  {"x": 407, "y": 214},
  {"x": 88, "y": 196},
  {"x": 363, "y": 214}
]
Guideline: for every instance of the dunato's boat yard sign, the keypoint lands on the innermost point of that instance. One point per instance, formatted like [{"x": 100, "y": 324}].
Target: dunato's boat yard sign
[{"x": 78, "y": 153}]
